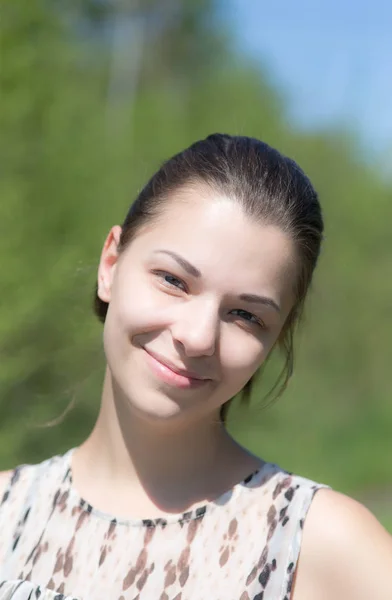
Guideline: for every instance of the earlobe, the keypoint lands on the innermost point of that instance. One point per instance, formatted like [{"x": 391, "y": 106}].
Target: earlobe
[
  {"x": 107, "y": 264},
  {"x": 103, "y": 291}
]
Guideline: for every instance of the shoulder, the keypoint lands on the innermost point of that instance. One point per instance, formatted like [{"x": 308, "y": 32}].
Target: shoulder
[
  {"x": 11, "y": 483},
  {"x": 4, "y": 480},
  {"x": 17, "y": 482},
  {"x": 345, "y": 552}
]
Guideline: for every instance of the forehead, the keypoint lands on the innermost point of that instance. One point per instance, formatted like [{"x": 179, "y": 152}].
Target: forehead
[{"x": 214, "y": 234}]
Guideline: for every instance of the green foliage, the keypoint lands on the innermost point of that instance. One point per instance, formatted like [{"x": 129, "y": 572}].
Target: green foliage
[{"x": 82, "y": 128}]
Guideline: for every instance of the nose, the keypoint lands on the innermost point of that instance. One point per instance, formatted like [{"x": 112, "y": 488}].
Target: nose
[{"x": 196, "y": 328}]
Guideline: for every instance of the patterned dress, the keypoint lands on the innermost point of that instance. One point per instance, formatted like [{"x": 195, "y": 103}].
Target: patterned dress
[{"x": 242, "y": 546}]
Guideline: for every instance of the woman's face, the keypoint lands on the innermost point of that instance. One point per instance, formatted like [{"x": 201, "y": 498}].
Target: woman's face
[{"x": 196, "y": 302}]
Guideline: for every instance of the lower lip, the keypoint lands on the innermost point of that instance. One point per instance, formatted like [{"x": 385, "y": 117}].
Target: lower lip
[{"x": 165, "y": 374}]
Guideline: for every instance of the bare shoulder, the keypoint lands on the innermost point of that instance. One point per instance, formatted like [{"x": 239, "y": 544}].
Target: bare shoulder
[{"x": 345, "y": 553}]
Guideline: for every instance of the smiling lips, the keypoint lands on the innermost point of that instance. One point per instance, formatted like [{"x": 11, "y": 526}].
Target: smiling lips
[{"x": 169, "y": 373}]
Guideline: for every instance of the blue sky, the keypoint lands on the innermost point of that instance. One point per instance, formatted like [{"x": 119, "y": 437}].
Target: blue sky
[{"x": 333, "y": 58}]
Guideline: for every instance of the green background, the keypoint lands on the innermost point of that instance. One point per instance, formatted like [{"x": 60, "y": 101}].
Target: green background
[{"x": 87, "y": 113}]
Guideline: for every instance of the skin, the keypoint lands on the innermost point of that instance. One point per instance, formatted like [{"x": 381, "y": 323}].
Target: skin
[
  {"x": 161, "y": 443},
  {"x": 158, "y": 446}
]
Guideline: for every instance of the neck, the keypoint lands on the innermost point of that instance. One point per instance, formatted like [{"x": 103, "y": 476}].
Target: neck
[{"x": 170, "y": 467}]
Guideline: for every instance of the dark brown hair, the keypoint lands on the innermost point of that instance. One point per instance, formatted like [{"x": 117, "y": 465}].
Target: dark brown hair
[{"x": 270, "y": 188}]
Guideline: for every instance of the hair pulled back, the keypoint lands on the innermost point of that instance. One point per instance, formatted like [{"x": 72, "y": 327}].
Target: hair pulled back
[{"x": 270, "y": 188}]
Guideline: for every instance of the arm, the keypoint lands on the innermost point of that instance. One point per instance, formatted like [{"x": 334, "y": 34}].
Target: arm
[{"x": 346, "y": 554}]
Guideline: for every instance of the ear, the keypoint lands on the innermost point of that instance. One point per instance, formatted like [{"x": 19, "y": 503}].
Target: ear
[{"x": 107, "y": 263}]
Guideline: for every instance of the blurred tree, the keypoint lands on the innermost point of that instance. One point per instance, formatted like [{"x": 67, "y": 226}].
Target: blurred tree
[
  {"x": 94, "y": 94},
  {"x": 71, "y": 99}
]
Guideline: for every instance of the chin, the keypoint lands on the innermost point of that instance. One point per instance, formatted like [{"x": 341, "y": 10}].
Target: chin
[
  {"x": 155, "y": 405},
  {"x": 163, "y": 412},
  {"x": 146, "y": 397}
]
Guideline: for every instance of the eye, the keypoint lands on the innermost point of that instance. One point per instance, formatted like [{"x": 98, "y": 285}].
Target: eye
[
  {"x": 247, "y": 316},
  {"x": 171, "y": 281}
]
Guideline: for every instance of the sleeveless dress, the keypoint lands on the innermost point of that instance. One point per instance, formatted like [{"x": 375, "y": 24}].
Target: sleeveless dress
[{"x": 242, "y": 546}]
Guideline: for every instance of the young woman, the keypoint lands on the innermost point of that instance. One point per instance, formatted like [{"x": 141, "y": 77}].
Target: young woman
[{"x": 207, "y": 275}]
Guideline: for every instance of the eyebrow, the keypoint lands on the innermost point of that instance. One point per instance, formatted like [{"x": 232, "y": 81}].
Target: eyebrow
[
  {"x": 192, "y": 270},
  {"x": 187, "y": 266},
  {"x": 260, "y": 300}
]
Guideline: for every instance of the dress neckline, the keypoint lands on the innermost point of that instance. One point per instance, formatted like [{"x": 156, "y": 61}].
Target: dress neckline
[{"x": 199, "y": 512}]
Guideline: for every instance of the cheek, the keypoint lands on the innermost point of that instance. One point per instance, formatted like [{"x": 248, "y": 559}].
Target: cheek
[
  {"x": 242, "y": 354},
  {"x": 131, "y": 300},
  {"x": 241, "y": 357},
  {"x": 136, "y": 308}
]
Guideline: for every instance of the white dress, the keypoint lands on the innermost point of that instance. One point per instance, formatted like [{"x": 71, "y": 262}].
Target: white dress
[{"x": 242, "y": 546}]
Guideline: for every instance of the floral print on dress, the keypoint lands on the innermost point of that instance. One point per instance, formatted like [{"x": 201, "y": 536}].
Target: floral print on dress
[{"x": 242, "y": 546}]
